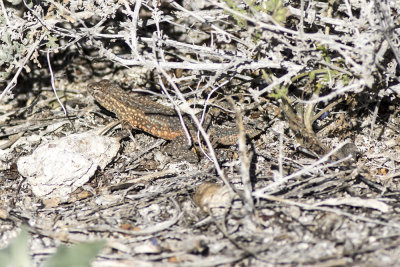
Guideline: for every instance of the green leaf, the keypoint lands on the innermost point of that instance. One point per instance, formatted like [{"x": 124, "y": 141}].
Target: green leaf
[
  {"x": 79, "y": 255},
  {"x": 52, "y": 43},
  {"x": 281, "y": 14},
  {"x": 279, "y": 93},
  {"x": 345, "y": 79},
  {"x": 17, "y": 253}
]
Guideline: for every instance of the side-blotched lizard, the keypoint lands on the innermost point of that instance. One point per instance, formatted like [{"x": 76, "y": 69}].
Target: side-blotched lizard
[{"x": 141, "y": 112}]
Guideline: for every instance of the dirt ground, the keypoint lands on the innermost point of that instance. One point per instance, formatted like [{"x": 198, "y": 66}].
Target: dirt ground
[{"x": 303, "y": 211}]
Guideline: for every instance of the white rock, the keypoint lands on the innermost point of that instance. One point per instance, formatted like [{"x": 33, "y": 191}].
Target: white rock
[{"x": 57, "y": 168}]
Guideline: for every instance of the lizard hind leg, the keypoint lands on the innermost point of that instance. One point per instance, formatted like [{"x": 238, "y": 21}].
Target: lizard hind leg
[{"x": 179, "y": 149}]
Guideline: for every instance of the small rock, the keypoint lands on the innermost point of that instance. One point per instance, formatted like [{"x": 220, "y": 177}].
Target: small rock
[
  {"x": 57, "y": 168},
  {"x": 211, "y": 196}
]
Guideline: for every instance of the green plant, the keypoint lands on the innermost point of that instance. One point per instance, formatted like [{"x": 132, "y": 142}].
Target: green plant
[{"x": 78, "y": 255}]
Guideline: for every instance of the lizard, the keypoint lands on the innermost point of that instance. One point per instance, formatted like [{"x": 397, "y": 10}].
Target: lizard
[{"x": 141, "y": 112}]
